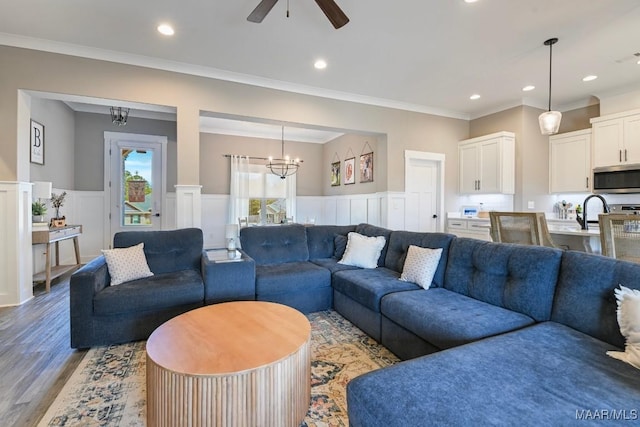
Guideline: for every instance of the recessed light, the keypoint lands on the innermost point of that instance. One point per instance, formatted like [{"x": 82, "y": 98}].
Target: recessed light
[
  {"x": 528, "y": 88},
  {"x": 474, "y": 96},
  {"x": 320, "y": 64},
  {"x": 166, "y": 29},
  {"x": 638, "y": 62},
  {"x": 589, "y": 78},
  {"x": 470, "y": 1}
]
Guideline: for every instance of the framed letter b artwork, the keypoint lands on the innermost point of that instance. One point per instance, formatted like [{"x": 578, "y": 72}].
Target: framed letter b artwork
[{"x": 37, "y": 143}]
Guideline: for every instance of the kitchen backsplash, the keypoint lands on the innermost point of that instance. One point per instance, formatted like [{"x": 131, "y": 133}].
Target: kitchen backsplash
[{"x": 595, "y": 206}]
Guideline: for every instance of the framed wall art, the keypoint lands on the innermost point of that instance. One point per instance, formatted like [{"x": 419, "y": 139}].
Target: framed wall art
[
  {"x": 37, "y": 143},
  {"x": 350, "y": 171},
  {"x": 335, "y": 174},
  {"x": 366, "y": 167}
]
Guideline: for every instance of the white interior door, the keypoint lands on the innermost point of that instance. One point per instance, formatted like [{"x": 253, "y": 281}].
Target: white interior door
[
  {"x": 135, "y": 170},
  {"x": 424, "y": 174}
]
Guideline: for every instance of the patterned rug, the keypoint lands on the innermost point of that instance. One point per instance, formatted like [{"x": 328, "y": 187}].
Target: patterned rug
[{"x": 108, "y": 387}]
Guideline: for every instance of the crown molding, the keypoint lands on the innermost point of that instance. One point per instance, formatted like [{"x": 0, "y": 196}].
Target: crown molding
[{"x": 214, "y": 73}]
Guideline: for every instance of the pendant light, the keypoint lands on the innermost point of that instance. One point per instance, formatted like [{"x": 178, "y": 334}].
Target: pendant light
[
  {"x": 285, "y": 166},
  {"x": 550, "y": 120},
  {"x": 119, "y": 116}
]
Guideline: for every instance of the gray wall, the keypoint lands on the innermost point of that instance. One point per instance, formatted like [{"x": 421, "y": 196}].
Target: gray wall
[
  {"x": 215, "y": 169},
  {"x": 58, "y": 121},
  {"x": 347, "y": 146},
  {"x": 89, "y": 146}
]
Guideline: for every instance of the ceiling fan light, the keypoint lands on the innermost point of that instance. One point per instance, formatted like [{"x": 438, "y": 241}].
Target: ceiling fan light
[{"x": 550, "y": 122}]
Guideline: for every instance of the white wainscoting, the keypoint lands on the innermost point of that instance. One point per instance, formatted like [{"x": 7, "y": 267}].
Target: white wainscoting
[
  {"x": 396, "y": 209},
  {"x": 215, "y": 209},
  {"x": 15, "y": 243},
  {"x": 87, "y": 208}
]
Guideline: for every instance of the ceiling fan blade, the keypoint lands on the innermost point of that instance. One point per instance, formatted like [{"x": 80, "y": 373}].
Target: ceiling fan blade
[
  {"x": 333, "y": 12},
  {"x": 261, "y": 10}
]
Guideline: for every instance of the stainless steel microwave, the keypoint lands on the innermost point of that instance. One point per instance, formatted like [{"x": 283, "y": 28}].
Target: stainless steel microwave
[{"x": 617, "y": 179}]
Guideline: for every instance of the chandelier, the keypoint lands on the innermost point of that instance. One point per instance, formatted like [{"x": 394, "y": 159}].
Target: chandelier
[
  {"x": 550, "y": 120},
  {"x": 119, "y": 116},
  {"x": 284, "y": 166}
]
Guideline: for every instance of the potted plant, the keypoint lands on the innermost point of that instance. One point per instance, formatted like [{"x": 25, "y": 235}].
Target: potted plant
[
  {"x": 57, "y": 201},
  {"x": 38, "y": 211}
]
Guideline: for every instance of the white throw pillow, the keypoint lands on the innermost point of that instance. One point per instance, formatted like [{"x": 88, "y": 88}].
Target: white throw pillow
[
  {"x": 629, "y": 322},
  {"x": 420, "y": 265},
  {"x": 362, "y": 251},
  {"x": 127, "y": 264}
]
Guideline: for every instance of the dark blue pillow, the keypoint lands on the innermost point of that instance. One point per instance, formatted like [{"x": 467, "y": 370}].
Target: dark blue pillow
[{"x": 340, "y": 243}]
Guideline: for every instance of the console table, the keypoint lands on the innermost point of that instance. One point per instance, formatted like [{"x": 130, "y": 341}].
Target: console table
[{"x": 55, "y": 235}]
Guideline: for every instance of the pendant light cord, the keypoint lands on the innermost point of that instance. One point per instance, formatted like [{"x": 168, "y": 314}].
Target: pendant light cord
[
  {"x": 550, "y": 43},
  {"x": 550, "y": 61}
]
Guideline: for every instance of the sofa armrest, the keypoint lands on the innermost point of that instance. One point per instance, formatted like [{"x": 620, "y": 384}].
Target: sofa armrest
[
  {"x": 84, "y": 284},
  {"x": 229, "y": 281}
]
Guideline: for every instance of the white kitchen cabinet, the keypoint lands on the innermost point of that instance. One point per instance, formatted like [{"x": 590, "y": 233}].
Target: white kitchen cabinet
[
  {"x": 616, "y": 139},
  {"x": 570, "y": 162},
  {"x": 486, "y": 164}
]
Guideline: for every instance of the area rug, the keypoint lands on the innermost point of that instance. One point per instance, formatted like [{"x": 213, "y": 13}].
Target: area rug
[{"x": 108, "y": 387}]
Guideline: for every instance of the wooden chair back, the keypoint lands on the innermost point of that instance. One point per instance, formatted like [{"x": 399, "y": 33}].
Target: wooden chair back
[
  {"x": 525, "y": 228},
  {"x": 620, "y": 236}
]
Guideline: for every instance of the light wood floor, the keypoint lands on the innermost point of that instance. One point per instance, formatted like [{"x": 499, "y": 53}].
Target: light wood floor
[{"x": 35, "y": 354}]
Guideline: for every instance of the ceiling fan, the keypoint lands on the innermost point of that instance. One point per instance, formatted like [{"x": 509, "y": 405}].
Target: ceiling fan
[{"x": 329, "y": 7}]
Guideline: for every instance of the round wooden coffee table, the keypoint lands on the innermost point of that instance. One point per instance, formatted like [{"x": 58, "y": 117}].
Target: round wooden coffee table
[{"x": 244, "y": 363}]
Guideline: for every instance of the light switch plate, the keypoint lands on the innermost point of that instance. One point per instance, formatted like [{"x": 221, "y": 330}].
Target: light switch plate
[{"x": 531, "y": 204}]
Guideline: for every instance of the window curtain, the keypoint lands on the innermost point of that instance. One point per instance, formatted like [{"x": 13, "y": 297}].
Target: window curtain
[
  {"x": 291, "y": 196},
  {"x": 238, "y": 189}
]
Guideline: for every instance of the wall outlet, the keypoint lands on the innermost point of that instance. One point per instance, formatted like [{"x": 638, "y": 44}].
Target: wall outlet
[{"x": 531, "y": 204}]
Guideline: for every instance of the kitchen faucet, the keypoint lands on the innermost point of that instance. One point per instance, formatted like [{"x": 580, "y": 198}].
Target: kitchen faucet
[{"x": 583, "y": 221}]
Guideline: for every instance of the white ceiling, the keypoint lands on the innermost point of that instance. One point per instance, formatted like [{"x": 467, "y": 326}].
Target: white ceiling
[{"x": 420, "y": 55}]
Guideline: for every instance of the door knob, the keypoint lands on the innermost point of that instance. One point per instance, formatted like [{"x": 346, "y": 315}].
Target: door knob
[{"x": 434, "y": 216}]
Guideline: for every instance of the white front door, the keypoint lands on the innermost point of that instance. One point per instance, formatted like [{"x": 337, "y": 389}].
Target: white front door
[
  {"x": 423, "y": 187},
  {"x": 134, "y": 181}
]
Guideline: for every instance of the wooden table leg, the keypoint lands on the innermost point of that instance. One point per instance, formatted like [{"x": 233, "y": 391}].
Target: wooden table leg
[
  {"x": 76, "y": 247},
  {"x": 48, "y": 267}
]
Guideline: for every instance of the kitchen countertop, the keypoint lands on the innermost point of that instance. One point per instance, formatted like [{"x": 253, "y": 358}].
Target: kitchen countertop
[
  {"x": 574, "y": 231},
  {"x": 565, "y": 232}
]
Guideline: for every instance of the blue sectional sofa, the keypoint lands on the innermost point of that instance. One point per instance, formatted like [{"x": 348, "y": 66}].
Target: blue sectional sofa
[{"x": 505, "y": 335}]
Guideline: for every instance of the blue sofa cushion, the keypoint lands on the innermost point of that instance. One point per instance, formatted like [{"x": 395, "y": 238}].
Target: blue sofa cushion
[
  {"x": 446, "y": 319},
  {"x": 585, "y": 298},
  {"x": 275, "y": 244},
  {"x": 547, "y": 374},
  {"x": 332, "y": 265},
  {"x": 320, "y": 239},
  {"x": 399, "y": 243},
  {"x": 290, "y": 277},
  {"x": 368, "y": 286},
  {"x": 516, "y": 277},
  {"x": 340, "y": 244},
  {"x": 164, "y": 290},
  {"x": 167, "y": 250},
  {"x": 373, "y": 231}
]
